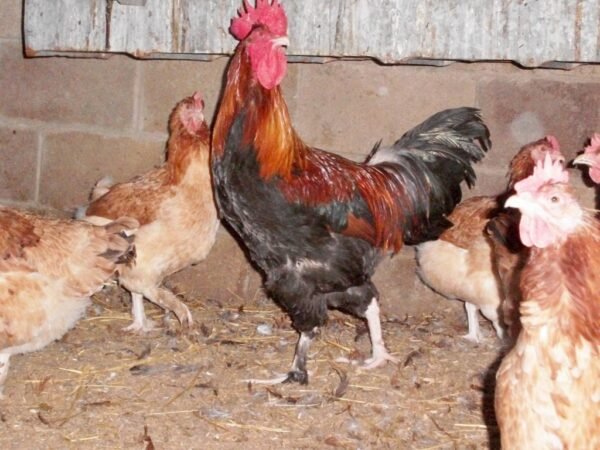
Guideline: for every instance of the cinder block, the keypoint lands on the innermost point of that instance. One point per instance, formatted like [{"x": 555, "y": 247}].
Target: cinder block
[
  {"x": 10, "y": 19},
  {"x": 66, "y": 90},
  {"x": 167, "y": 82},
  {"x": 73, "y": 162},
  {"x": 401, "y": 290},
  {"x": 489, "y": 182},
  {"x": 348, "y": 106},
  {"x": 519, "y": 112},
  {"x": 224, "y": 274},
  {"x": 18, "y": 164}
]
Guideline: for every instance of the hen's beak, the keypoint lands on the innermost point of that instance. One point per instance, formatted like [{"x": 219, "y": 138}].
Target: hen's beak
[
  {"x": 514, "y": 201},
  {"x": 525, "y": 203},
  {"x": 583, "y": 159},
  {"x": 282, "y": 41}
]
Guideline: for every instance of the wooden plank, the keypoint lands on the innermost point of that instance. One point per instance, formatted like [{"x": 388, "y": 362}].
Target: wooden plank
[
  {"x": 532, "y": 33},
  {"x": 64, "y": 26}
]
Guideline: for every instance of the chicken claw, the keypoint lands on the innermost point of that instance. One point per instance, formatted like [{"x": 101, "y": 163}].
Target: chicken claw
[
  {"x": 379, "y": 358},
  {"x": 474, "y": 335},
  {"x": 293, "y": 376},
  {"x": 380, "y": 354},
  {"x": 4, "y": 363},
  {"x": 141, "y": 324},
  {"x": 184, "y": 315},
  {"x": 140, "y": 327}
]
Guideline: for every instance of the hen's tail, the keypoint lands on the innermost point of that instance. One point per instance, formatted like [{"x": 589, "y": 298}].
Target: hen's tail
[
  {"x": 431, "y": 161},
  {"x": 107, "y": 248},
  {"x": 121, "y": 249},
  {"x": 81, "y": 256},
  {"x": 101, "y": 187}
]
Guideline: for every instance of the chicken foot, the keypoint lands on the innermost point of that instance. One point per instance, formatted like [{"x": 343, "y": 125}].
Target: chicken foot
[
  {"x": 163, "y": 298},
  {"x": 141, "y": 323},
  {"x": 474, "y": 334},
  {"x": 4, "y": 363},
  {"x": 379, "y": 355},
  {"x": 298, "y": 372}
]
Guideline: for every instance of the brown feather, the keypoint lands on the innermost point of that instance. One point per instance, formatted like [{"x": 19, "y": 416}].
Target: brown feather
[
  {"x": 183, "y": 146},
  {"x": 469, "y": 220},
  {"x": 44, "y": 286},
  {"x": 268, "y": 130},
  {"x": 308, "y": 175},
  {"x": 548, "y": 386},
  {"x": 142, "y": 196},
  {"x": 16, "y": 233},
  {"x": 139, "y": 198},
  {"x": 175, "y": 207}
]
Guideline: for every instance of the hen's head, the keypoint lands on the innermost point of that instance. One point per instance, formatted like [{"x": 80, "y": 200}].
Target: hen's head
[
  {"x": 549, "y": 211},
  {"x": 591, "y": 157},
  {"x": 264, "y": 30},
  {"x": 190, "y": 111},
  {"x": 546, "y": 146},
  {"x": 525, "y": 160}
]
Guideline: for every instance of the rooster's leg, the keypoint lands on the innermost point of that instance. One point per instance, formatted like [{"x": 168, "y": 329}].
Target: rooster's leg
[
  {"x": 298, "y": 374},
  {"x": 140, "y": 322},
  {"x": 380, "y": 354},
  {"x": 474, "y": 334},
  {"x": 4, "y": 362}
]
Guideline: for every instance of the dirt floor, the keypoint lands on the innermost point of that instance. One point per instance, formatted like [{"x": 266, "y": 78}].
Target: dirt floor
[{"x": 99, "y": 387}]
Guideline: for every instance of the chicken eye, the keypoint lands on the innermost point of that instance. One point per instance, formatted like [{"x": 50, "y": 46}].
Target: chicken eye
[{"x": 554, "y": 199}]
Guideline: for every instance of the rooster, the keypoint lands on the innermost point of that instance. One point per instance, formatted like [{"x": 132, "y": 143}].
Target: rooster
[
  {"x": 48, "y": 270},
  {"x": 548, "y": 386},
  {"x": 315, "y": 223},
  {"x": 464, "y": 262},
  {"x": 175, "y": 208}
]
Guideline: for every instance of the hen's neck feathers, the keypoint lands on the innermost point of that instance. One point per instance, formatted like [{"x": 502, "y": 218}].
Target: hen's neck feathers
[
  {"x": 183, "y": 148},
  {"x": 561, "y": 283},
  {"x": 521, "y": 166},
  {"x": 267, "y": 126}
]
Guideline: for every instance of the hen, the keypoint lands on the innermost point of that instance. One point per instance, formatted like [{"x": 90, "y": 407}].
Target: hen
[
  {"x": 48, "y": 270},
  {"x": 548, "y": 386},
  {"x": 175, "y": 208},
  {"x": 314, "y": 222},
  {"x": 464, "y": 262},
  {"x": 591, "y": 157}
]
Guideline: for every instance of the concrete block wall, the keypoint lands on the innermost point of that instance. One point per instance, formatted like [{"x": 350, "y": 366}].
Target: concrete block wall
[{"x": 66, "y": 122}]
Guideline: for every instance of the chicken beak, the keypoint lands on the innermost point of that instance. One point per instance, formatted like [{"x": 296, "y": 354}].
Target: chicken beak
[
  {"x": 514, "y": 201},
  {"x": 583, "y": 159},
  {"x": 282, "y": 41}
]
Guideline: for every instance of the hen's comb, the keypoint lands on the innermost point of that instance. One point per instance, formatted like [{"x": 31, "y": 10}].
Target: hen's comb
[
  {"x": 553, "y": 142},
  {"x": 271, "y": 15},
  {"x": 594, "y": 146},
  {"x": 198, "y": 101},
  {"x": 544, "y": 172}
]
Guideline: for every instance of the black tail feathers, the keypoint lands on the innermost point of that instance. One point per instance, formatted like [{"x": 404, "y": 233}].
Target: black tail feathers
[{"x": 436, "y": 156}]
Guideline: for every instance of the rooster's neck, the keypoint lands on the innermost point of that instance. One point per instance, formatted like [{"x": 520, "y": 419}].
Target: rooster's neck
[{"x": 267, "y": 124}]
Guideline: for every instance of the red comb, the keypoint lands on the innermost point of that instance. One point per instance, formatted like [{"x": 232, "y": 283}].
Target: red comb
[
  {"x": 553, "y": 142},
  {"x": 594, "y": 146},
  {"x": 544, "y": 172},
  {"x": 198, "y": 100},
  {"x": 271, "y": 15}
]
